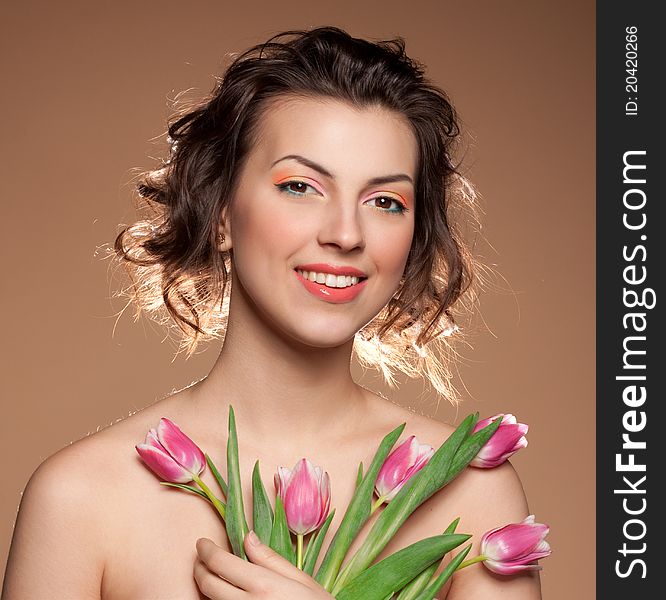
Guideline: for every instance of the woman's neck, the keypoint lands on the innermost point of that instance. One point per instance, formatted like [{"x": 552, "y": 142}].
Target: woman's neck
[{"x": 279, "y": 388}]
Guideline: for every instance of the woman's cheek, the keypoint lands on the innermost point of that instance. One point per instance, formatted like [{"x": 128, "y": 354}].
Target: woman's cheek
[
  {"x": 260, "y": 227},
  {"x": 391, "y": 250}
]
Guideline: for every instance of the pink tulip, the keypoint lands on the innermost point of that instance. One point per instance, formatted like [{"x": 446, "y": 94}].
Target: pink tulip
[
  {"x": 406, "y": 460},
  {"x": 171, "y": 454},
  {"x": 514, "y": 548},
  {"x": 305, "y": 492},
  {"x": 506, "y": 441}
]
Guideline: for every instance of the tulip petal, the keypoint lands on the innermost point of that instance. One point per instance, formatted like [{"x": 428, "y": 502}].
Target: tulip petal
[
  {"x": 394, "y": 492},
  {"x": 301, "y": 498},
  {"x": 424, "y": 455},
  {"x": 153, "y": 440},
  {"x": 324, "y": 499},
  {"x": 162, "y": 464},
  {"x": 305, "y": 492},
  {"x": 506, "y": 441},
  {"x": 180, "y": 447},
  {"x": 281, "y": 479},
  {"x": 405, "y": 461},
  {"x": 503, "y": 569},
  {"x": 485, "y": 422},
  {"x": 396, "y": 465},
  {"x": 528, "y": 558},
  {"x": 515, "y": 547},
  {"x": 514, "y": 541}
]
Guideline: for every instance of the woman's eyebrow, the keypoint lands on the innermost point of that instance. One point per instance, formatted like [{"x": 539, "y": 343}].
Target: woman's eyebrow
[{"x": 315, "y": 167}]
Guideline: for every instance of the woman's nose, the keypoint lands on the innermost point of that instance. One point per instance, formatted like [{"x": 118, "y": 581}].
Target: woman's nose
[{"x": 342, "y": 226}]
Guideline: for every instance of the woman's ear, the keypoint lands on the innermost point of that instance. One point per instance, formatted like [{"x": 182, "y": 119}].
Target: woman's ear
[{"x": 224, "y": 232}]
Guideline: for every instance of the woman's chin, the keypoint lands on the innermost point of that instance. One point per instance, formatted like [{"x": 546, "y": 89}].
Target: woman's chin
[{"x": 323, "y": 337}]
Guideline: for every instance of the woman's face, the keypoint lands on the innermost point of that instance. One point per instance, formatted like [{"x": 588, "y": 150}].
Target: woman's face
[{"x": 326, "y": 194}]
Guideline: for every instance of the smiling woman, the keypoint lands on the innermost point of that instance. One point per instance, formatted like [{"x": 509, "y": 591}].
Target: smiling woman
[
  {"x": 303, "y": 112},
  {"x": 305, "y": 212}
]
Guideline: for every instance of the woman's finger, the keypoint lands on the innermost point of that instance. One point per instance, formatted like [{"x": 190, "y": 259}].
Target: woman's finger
[
  {"x": 262, "y": 555},
  {"x": 213, "y": 586},
  {"x": 234, "y": 569}
]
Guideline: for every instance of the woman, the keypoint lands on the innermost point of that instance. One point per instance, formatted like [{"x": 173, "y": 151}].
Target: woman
[{"x": 319, "y": 175}]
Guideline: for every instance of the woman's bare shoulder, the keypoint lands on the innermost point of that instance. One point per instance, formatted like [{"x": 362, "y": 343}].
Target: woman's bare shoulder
[
  {"x": 96, "y": 448},
  {"x": 67, "y": 513},
  {"x": 98, "y": 471},
  {"x": 428, "y": 430},
  {"x": 87, "y": 504},
  {"x": 104, "y": 458}
]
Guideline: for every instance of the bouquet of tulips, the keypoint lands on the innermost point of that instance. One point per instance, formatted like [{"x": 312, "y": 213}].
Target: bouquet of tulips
[{"x": 402, "y": 480}]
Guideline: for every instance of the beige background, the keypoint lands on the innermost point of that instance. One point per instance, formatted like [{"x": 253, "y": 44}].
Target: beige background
[{"x": 85, "y": 89}]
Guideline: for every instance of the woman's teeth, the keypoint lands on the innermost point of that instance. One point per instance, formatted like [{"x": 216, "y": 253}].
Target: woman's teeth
[{"x": 337, "y": 281}]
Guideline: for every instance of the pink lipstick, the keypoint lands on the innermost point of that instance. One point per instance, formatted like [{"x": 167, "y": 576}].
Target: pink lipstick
[{"x": 332, "y": 294}]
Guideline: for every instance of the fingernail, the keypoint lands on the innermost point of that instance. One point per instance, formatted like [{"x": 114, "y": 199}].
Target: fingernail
[{"x": 253, "y": 539}]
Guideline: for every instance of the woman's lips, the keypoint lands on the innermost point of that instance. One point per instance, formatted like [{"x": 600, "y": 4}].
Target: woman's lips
[{"x": 331, "y": 294}]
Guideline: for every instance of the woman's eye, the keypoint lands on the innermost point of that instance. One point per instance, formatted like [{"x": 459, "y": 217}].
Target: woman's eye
[
  {"x": 385, "y": 202},
  {"x": 300, "y": 188},
  {"x": 295, "y": 188}
]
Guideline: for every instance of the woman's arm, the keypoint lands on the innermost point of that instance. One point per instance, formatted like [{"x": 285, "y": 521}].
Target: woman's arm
[
  {"x": 56, "y": 549},
  {"x": 491, "y": 498}
]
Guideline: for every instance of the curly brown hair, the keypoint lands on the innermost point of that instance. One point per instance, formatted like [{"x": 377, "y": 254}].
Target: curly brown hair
[{"x": 172, "y": 254}]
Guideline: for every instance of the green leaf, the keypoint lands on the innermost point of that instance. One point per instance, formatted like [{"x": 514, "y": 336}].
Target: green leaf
[
  {"x": 437, "y": 583},
  {"x": 470, "y": 448},
  {"x": 359, "y": 475},
  {"x": 439, "y": 471},
  {"x": 420, "y": 582},
  {"x": 189, "y": 488},
  {"x": 235, "y": 513},
  {"x": 314, "y": 545},
  {"x": 262, "y": 513},
  {"x": 452, "y": 527},
  {"x": 356, "y": 515},
  {"x": 216, "y": 474},
  {"x": 396, "y": 570},
  {"x": 280, "y": 537}
]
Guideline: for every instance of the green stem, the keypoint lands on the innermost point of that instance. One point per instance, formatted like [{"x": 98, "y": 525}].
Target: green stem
[
  {"x": 299, "y": 551},
  {"x": 471, "y": 561},
  {"x": 219, "y": 505},
  {"x": 377, "y": 504}
]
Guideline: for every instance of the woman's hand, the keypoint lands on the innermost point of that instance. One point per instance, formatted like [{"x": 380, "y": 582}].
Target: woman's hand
[{"x": 222, "y": 575}]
